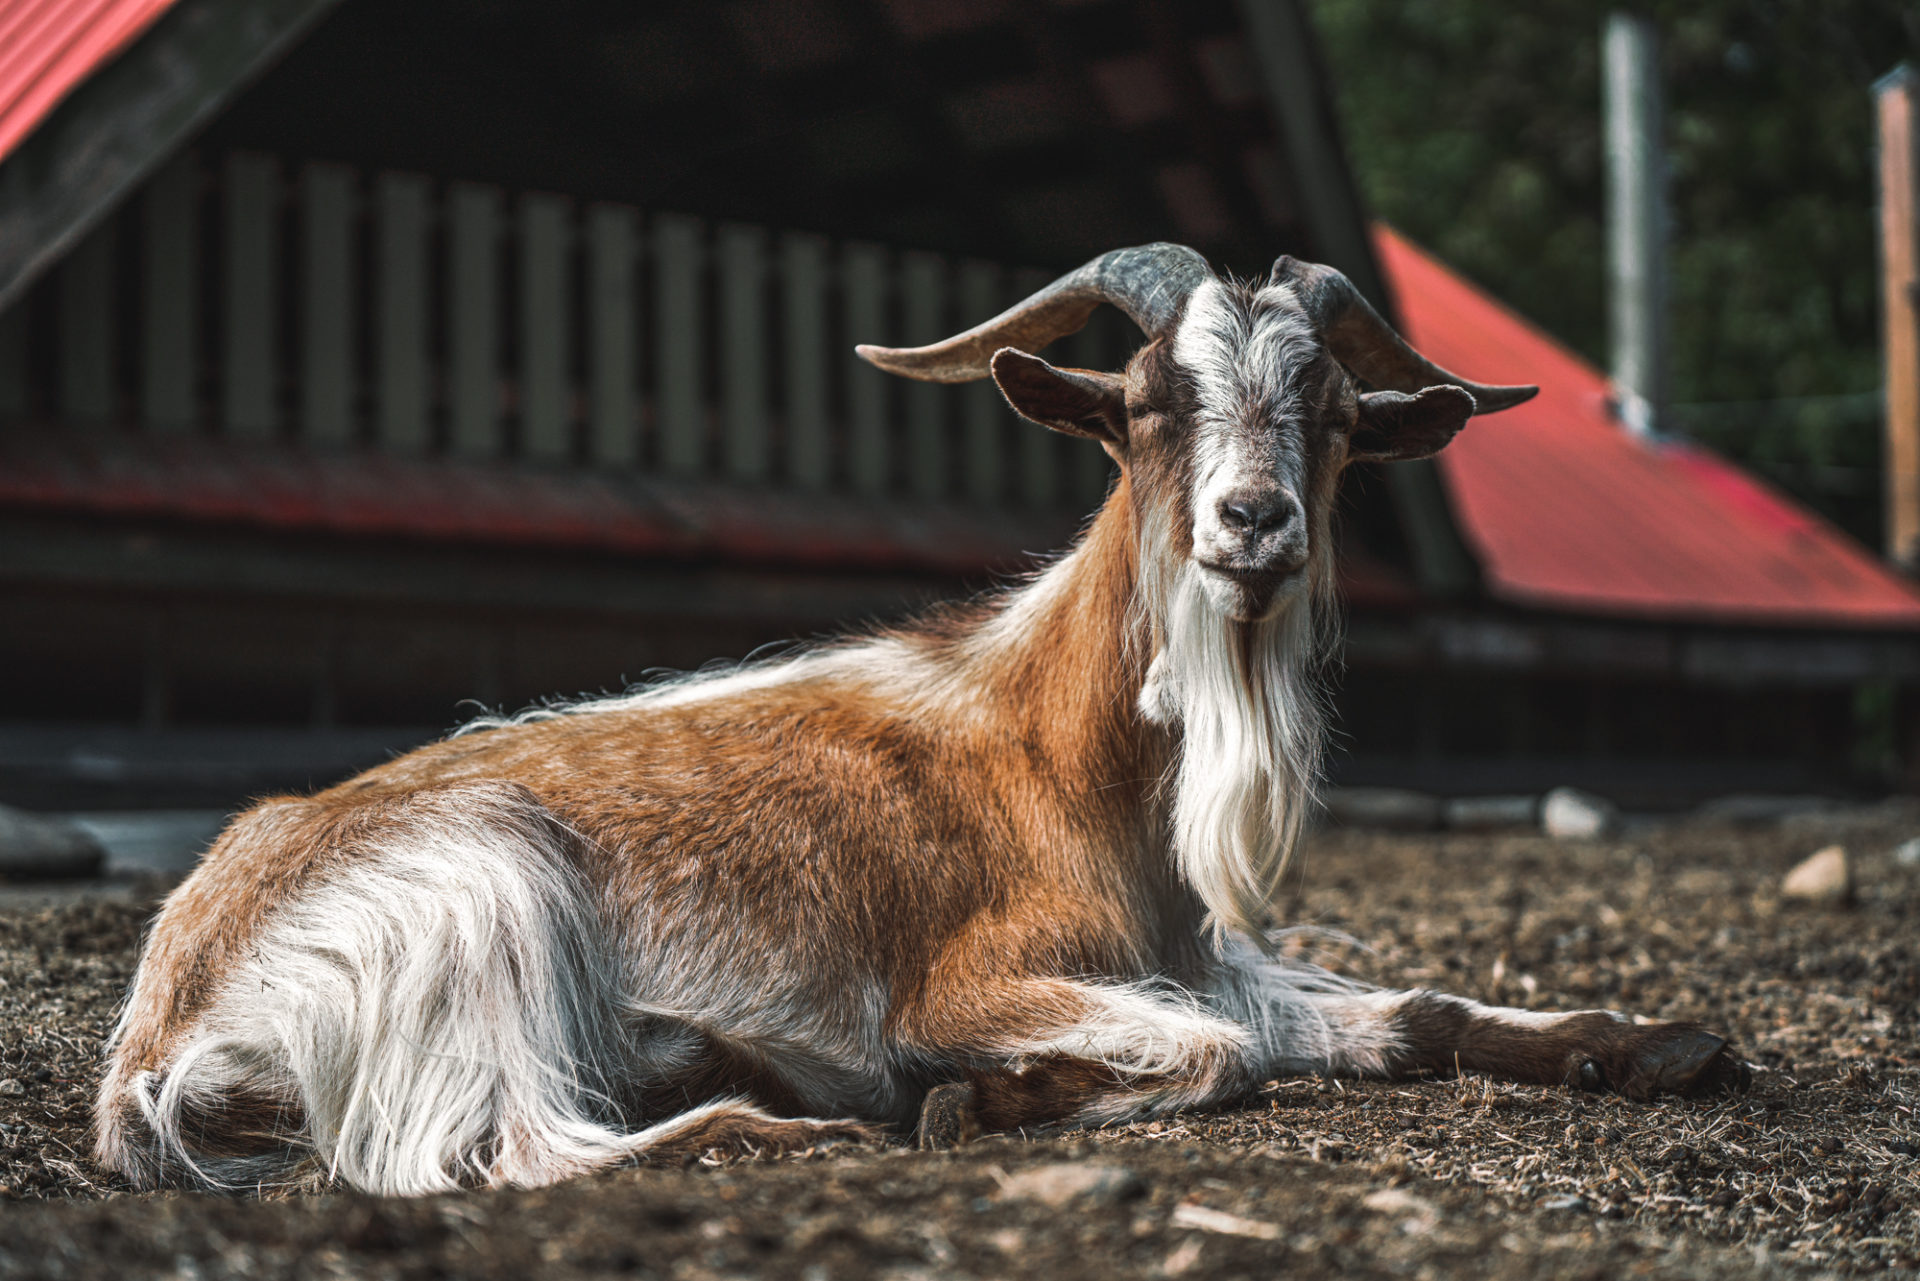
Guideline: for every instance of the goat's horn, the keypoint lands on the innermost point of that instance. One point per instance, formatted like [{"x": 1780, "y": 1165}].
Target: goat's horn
[
  {"x": 1359, "y": 339},
  {"x": 1148, "y": 282}
]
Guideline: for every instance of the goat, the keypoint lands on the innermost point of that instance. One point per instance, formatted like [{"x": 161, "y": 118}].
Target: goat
[{"x": 1022, "y": 849}]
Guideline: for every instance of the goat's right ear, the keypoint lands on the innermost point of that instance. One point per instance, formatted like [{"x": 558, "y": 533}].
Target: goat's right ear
[{"x": 1079, "y": 402}]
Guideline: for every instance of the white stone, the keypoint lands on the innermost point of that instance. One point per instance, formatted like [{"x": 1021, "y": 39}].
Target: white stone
[
  {"x": 1571, "y": 814},
  {"x": 1069, "y": 1182},
  {"x": 1907, "y": 853},
  {"x": 1822, "y": 877}
]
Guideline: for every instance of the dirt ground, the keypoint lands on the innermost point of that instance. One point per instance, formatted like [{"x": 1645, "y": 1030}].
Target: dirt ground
[{"x": 1814, "y": 1172}]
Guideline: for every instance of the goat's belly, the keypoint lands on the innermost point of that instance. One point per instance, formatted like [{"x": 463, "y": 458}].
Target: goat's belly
[{"x": 719, "y": 1007}]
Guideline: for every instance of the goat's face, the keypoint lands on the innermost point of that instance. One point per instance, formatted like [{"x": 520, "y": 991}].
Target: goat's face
[
  {"x": 1234, "y": 425},
  {"x": 1235, "y": 420}
]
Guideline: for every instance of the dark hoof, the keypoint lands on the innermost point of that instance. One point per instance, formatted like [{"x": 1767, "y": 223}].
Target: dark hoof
[
  {"x": 1678, "y": 1058},
  {"x": 948, "y": 1117}
]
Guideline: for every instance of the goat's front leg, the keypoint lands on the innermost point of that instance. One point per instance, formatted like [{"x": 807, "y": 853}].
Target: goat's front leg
[
  {"x": 1051, "y": 1049},
  {"x": 1302, "y": 1023}
]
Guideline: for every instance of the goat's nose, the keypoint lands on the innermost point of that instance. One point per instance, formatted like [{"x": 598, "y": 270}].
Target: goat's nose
[{"x": 1255, "y": 514}]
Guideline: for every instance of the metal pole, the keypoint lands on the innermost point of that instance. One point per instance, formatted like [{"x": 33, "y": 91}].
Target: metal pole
[
  {"x": 1895, "y": 98},
  {"x": 1636, "y": 220}
]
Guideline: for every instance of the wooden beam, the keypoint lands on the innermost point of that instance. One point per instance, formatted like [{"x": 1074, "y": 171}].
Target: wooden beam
[
  {"x": 123, "y": 123},
  {"x": 1897, "y": 108}
]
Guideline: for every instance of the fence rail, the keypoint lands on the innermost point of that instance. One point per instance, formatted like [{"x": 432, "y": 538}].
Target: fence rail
[{"x": 256, "y": 301}]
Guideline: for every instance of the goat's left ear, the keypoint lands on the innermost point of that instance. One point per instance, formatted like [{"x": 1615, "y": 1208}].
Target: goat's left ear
[
  {"x": 1079, "y": 402},
  {"x": 1394, "y": 426}
]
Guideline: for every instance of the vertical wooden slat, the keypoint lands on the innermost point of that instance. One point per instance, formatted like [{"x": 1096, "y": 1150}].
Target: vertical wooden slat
[
  {"x": 169, "y": 316},
  {"x": 679, "y": 263},
  {"x": 473, "y": 320},
  {"x": 803, "y": 287},
  {"x": 400, "y": 328},
  {"x": 13, "y": 364},
  {"x": 864, "y": 282},
  {"x": 544, "y": 242},
  {"x": 248, "y": 365},
  {"x": 747, "y": 443},
  {"x": 327, "y": 380},
  {"x": 86, "y": 329},
  {"x": 923, "y": 286},
  {"x": 611, "y": 321},
  {"x": 984, "y": 412},
  {"x": 1039, "y": 449}
]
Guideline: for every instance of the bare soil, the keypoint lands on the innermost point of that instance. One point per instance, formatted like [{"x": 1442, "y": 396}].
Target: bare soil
[{"x": 1813, "y": 1172}]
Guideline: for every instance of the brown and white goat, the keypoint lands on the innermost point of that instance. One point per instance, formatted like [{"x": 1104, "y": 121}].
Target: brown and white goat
[{"x": 1028, "y": 844}]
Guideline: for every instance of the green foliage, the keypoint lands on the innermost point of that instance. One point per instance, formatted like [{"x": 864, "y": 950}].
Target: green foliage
[{"x": 1474, "y": 127}]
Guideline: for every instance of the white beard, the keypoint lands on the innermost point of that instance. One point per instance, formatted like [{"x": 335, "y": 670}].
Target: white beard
[{"x": 1252, "y": 734}]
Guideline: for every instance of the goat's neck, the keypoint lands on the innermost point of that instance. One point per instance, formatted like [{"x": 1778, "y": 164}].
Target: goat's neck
[
  {"x": 1064, "y": 657},
  {"x": 1232, "y": 721}
]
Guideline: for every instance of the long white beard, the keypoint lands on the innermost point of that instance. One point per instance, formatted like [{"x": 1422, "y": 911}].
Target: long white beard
[{"x": 1253, "y": 731}]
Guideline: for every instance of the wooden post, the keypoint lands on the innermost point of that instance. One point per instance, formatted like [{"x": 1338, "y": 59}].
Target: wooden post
[
  {"x": 803, "y": 293},
  {"x": 1897, "y": 109},
  {"x": 612, "y": 342},
  {"x": 863, "y": 282}
]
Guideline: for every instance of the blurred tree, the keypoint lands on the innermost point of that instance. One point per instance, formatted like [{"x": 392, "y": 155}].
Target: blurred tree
[{"x": 1474, "y": 127}]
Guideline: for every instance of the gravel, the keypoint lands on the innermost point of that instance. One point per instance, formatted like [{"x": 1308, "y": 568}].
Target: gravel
[{"x": 1814, "y": 1172}]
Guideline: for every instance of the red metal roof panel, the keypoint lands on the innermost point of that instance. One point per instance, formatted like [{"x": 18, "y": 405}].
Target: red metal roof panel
[
  {"x": 1565, "y": 510},
  {"x": 47, "y": 47}
]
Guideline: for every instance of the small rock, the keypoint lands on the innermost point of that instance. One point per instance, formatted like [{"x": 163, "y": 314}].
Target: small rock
[
  {"x": 1824, "y": 877},
  {"x": 34, "y": 847},
  {"x": 1492, "y": 813},
  {"x": 1391, "y": 809},
  {"x": 1831, "y": 1145},
  {"x": 12, "y": 1087},
  {"x": 1205, "y": 1219},
  {"x": 1907, "y": 853},
  {"x": 1070, "y": 1182},
  {"x": 1418, "y": 1216},
  {"x": 1564, "y": 1202},
  {"x": 1571, "y": 814}
]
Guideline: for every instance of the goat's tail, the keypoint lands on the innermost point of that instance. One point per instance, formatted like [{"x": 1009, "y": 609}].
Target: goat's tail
[{"x": 436, "y": 1010}]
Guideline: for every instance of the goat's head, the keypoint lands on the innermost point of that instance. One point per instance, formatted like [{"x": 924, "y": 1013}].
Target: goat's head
[{"x": 1236, "y": 417}]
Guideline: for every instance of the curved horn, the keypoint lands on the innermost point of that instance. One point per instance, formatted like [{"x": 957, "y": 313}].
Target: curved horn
[
  {"x": 1148, "y": 282},
  {"x": 1359, "y": 339}
]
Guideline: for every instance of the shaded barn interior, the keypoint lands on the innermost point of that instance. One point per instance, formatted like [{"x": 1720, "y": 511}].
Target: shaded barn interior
[{"x": 469, "y": 354}]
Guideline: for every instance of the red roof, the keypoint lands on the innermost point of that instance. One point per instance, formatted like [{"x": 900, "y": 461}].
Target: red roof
[
  {"x": 47, "y": 47},
  {"x": 1565, "y": 510}
]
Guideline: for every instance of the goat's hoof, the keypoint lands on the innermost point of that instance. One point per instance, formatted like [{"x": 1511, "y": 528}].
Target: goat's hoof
[
  {"x": 1680, "y": 1058},
  {"x": 1592, "y": 1079},
  {"x": 947, "y": 1118}
]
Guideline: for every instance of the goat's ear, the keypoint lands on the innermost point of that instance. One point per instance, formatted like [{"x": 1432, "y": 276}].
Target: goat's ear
[
  {"x": 1079, "y": 402},
  {"x": 1394, "y": 426}
]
